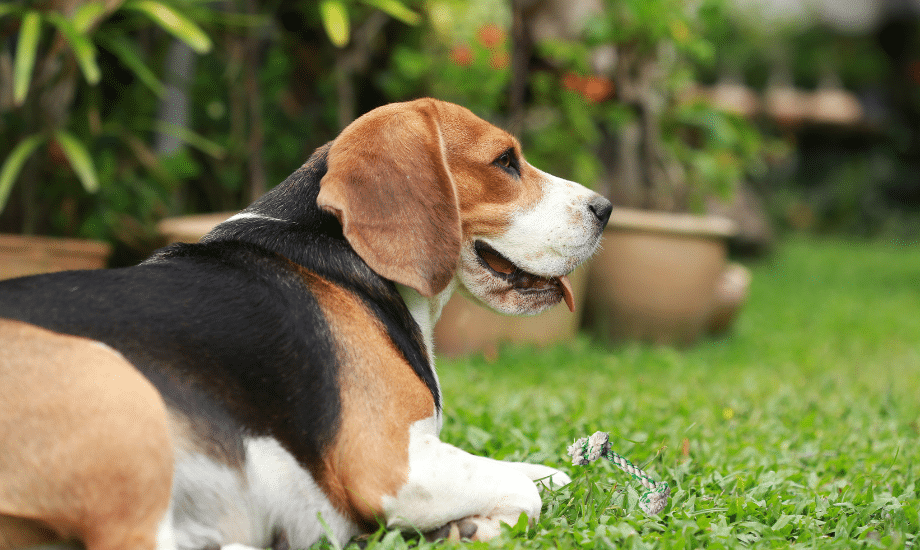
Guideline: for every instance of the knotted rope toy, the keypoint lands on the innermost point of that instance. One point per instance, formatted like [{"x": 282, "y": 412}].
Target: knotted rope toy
[{"x": 589, "y": 449}]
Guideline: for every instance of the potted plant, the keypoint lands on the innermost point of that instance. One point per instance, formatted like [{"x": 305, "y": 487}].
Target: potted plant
[
  {"x": 63, "y": 121},
  {"x": 657, "y": 276}
]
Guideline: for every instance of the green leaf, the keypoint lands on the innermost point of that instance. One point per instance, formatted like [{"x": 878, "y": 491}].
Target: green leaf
[
  {"x": 6, "y": 9},
  {"x": 83, "y": 50},
  {"x": 396, "y": 10},
  {"x": 87, "y": 15},
  {"x": 196, "y": 140},
  {"x": 126, "y": 52},
  {"x": 26, "y": 50},
  {"x": 13, "y": 165},
  {"x": 79, "y": 159},
  {"x": 175, "y": 23},
  {"x": 335, "y": 21}
]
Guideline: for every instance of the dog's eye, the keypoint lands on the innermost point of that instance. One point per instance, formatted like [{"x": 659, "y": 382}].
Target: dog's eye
[{"x": 507, "y": 161}]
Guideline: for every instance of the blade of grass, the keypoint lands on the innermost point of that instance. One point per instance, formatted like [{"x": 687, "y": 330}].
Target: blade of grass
[
  {"x": 6, "y": 9},
  {"x": 328, "y": 530}
]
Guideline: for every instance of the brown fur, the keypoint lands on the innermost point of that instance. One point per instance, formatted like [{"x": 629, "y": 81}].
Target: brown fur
[
  {"x": 387, "y": 181},
  {"x": 381, "y": 397},
  {"x": 422, "y": 170},
  {"x": 86, "y": 446},
  {"x": 487, "y": 196}
]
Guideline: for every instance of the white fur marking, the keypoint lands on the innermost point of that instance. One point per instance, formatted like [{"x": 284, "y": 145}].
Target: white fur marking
[
  {"x": 216, "y": 504},
  {"x": 210, "y": 503},
  {"x": 251, "y": 216},
  {"x": 549, "y": 239},
  {"x": 165, "y": 533},
  {"x": 289, "y": 497},
  {"x": 447, "y": 484},
  {"x": 426, "y": 312},
  {"x": 549, "y": 478}
]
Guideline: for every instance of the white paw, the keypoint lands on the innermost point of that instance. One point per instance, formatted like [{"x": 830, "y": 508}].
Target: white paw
[{"x": 473, "y": 528}]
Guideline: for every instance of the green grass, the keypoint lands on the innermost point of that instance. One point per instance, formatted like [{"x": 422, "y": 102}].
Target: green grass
[{"x": 800, "y": 429}]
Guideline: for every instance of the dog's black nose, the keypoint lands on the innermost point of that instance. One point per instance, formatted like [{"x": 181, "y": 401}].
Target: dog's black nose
[{"x": 601, "y": 208}]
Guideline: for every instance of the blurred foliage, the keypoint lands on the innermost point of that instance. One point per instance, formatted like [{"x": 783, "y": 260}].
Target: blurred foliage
[
  {"x": 474, "y": 71},
  {"x": 84, "y": 82},
  {"x": 83, "y": 92},
  {"x": 721, "y": 149},
  {"x": 689, "y": 149}
]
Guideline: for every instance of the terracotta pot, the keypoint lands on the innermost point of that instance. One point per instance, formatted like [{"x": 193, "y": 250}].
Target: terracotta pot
[
  {"x": 730, "y": 294},
  {"x": 22, "y": 255},
  {"x": 189, "y": 229},
  {"x": 832, "y": 105},
  {"x": 656, "y": 276},
  {"x": 787, "y": 105},
  {"x": 468, "y": 326}
]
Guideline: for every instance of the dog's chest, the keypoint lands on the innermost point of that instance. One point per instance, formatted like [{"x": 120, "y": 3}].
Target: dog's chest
[{"x": 269, "y": 496}]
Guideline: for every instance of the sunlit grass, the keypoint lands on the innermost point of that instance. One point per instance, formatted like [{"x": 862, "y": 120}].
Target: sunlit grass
[{"x": 800, "y": 429}]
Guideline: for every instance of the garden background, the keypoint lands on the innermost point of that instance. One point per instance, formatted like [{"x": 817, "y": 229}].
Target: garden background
[{"x": 799, "y": 119}]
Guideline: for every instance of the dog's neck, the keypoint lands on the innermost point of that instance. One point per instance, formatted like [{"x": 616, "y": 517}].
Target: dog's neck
[
  {"x": 286, "y": 221},
  {"x": 426, "y": 312}
]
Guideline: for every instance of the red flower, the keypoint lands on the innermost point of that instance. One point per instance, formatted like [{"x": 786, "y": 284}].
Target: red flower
[
  {"x": 593, "y": 88},
  {"x": 462, "y": 55},
  {"x": 490, "y": 35},
  {"x": 597, "y": 88},
  {"x": 572, "y": 82}
]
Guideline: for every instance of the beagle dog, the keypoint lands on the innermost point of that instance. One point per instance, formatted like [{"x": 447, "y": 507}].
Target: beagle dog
[{"x": 275, "y": 383}]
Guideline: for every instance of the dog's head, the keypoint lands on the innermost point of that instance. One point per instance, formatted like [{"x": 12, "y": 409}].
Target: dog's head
[{"x": 426, "y": 191}]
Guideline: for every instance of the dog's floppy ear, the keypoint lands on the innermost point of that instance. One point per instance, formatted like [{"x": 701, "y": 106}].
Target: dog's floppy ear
[{"x": 389, "y": 185}]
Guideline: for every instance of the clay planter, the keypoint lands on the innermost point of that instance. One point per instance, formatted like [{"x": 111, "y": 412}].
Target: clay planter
[
  {"x": 466, "y": 326},
  {"x": 189, "y": 229},
  {"x": 656, "y": 278},
  {"x": 22, "y": 255}
]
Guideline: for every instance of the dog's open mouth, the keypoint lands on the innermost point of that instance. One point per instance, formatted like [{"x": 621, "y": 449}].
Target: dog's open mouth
[{"x": 521, "y": 280}]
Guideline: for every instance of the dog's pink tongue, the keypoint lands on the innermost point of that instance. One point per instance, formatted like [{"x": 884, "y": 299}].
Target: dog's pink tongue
[{"x": 567, "y": 292}]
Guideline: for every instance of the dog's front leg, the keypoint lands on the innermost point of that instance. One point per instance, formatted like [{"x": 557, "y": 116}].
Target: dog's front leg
[
  {"x": 550, "y": 478},
  {"x": 449, "y": 487}
]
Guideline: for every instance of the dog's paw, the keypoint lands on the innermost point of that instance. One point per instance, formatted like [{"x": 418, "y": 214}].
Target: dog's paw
[
  {"x": 473, "y": 528},
  {"x": 461, "y": 529}
]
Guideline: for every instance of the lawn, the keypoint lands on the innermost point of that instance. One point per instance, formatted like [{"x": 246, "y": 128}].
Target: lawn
[{"x": 800, "y": 429}]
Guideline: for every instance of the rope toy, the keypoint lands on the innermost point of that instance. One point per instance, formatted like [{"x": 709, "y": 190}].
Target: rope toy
[{"x": 589, "y": 449}]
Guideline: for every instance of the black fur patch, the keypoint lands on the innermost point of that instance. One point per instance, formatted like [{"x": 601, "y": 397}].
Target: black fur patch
[{"x": 226, "y": 329}]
